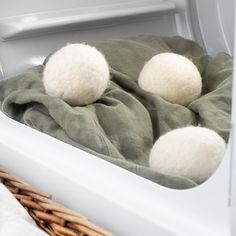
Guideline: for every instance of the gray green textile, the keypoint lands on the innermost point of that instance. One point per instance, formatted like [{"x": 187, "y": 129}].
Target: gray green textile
[{"x": 123, "y": 124}]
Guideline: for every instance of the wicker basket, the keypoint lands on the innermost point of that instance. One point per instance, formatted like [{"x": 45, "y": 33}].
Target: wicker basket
[{"x": 50, "y": 216}]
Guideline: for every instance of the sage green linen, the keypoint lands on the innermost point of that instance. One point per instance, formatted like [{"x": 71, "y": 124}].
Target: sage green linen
[{"x": 123, "y": 124}]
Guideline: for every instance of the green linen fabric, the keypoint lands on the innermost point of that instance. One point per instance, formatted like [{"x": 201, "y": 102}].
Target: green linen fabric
[{"x": 123, "y": 124}]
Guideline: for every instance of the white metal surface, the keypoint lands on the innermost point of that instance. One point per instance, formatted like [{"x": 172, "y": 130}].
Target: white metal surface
[
  {"x": 29, "y": 25},
  {"x": 10, "y": 8},
  {"x": 109, "y": 20},
  {"x": 233, "y": 153},
  {"x": 216, "y": 20},
  {"x": 183, "y": 18}
]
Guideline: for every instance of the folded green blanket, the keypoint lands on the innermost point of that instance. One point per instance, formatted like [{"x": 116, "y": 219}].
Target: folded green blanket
[{"x": 123, "y": 124}]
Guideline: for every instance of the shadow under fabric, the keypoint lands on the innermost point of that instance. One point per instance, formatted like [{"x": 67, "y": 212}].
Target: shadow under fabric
[{"x": 123, "y": 124}]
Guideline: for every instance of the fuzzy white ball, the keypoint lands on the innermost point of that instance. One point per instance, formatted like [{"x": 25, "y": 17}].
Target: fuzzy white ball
[
  {"x": 192, "y": 152},
  {"x": 77, "y": 73},
  {"x": 174, "y": 77}
]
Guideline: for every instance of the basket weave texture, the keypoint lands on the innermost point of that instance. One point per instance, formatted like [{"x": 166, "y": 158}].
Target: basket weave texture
[{"x": 50, "y": 216}]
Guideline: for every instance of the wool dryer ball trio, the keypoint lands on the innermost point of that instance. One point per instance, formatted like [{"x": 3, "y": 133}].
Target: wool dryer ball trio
[{"x": 79, "y": 74}]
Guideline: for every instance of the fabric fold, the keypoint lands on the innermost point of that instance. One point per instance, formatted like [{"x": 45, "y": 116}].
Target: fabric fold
[{"x": 122, "y": 126}]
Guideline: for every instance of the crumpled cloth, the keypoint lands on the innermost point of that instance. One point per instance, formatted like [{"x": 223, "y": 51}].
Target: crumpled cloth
[{"x": 122, "y": 126}]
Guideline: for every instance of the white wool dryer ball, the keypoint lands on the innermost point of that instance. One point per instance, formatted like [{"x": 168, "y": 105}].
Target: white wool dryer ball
[
  {"x": 77, "y": 73},
  {"x": 173, "y": 77},
  {"x": 192, "y": 152}
]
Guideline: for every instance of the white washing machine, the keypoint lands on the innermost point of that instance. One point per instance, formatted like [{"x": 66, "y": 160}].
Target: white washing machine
[{"x": 29, "y": 31}]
